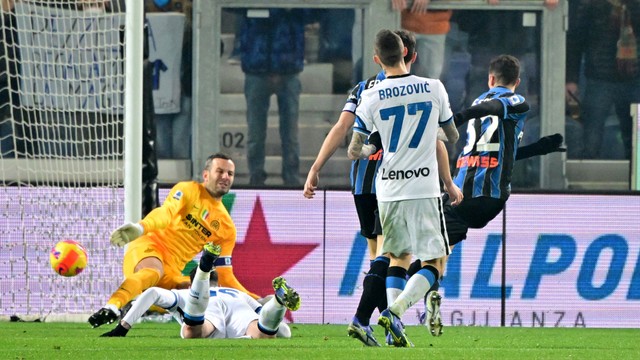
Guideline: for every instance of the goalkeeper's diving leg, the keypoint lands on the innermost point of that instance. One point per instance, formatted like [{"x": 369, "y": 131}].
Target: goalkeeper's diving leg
[{"x": 145, "y": 269}]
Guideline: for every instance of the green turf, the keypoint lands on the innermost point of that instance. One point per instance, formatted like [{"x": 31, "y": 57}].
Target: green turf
[{"x": 161, "y": 341}]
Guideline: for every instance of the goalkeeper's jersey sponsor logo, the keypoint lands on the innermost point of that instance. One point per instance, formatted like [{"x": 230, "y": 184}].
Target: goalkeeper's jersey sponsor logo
[{"x": 191, "y": 221}]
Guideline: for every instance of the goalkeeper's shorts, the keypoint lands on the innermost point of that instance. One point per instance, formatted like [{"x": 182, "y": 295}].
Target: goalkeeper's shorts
[{"x": 145, "y": 247}]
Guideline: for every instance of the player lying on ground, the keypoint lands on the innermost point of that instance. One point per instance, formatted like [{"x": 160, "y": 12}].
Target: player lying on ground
[{"x": 208, "y": 311}]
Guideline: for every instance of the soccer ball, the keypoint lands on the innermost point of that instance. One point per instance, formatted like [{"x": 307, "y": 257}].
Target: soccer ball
[{"x": 68, "y": 258}]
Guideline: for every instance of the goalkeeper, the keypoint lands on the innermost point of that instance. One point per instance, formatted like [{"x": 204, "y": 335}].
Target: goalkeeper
[{"x": 161, "y": 244}]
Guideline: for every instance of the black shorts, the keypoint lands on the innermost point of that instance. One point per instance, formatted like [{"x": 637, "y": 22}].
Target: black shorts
[
  {"x": 367, "y": 209},
  {"x": 473, "y": 213}
]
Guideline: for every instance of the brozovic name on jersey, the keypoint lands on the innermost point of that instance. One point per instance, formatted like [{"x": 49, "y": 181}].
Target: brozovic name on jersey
[{"x": 403, "y": 90}]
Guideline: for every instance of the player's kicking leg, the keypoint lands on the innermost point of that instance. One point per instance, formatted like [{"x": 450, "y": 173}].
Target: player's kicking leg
[
  {"x": 272, "y": 312},
  {"x": 198, "y": 300}
]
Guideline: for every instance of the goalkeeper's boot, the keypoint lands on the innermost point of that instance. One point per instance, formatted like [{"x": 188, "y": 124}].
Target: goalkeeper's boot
[
  {"x": 394, "y": 327},
  {"x": 363, "y": 333},
  {"x": 103, "y": 316},
  {"x": 433, "y": 320},
  {"x": 286, "y": 295},
  {"x": 210, "y": 254}
]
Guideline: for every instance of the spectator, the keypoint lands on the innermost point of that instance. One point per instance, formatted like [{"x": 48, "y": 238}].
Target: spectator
[
  {"x": 430, "y": 29},
  {"x": 602, "y": 38},
  {"x": 335, "y": 44},
  {"x": 171, "y": 141},
  {"x": 272, "y": 57}
]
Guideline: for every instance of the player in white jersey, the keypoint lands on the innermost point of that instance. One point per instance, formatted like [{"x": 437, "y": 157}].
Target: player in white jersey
[
  {"x": 208, "y": 311},
  {"x": 408, "y": 112}
]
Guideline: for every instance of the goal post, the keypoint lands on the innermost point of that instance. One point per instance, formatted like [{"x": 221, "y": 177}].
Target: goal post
[
  {"x": 70, "y": 148},
  {"x": 134, "y": 40}
]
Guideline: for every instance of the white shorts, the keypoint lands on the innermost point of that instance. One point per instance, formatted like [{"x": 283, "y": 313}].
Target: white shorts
[
  {"x": 230, "y": 318},
  {"x": 415, "y": 227}
]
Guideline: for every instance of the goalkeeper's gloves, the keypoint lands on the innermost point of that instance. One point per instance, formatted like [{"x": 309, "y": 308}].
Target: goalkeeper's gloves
[
  {"x": 545, "y": 145},
  {"x": 126, "y": 234}
]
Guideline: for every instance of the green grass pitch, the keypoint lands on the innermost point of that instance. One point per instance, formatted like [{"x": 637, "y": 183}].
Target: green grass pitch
[{"x": 161, "y": 341}]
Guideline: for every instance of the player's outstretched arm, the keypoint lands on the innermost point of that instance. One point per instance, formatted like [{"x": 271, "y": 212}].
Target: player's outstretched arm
[
  {"x": 544, "y": 145},
  {"x": 329, "y": 146},
  {"x": 493, "y": 107},
  {"x": 126, "y": 233}
]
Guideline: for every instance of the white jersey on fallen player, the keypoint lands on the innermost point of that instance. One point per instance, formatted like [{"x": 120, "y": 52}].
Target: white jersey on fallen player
[
  {"x": 407, "y": 110},
  {"x": 229, "y": 310}
]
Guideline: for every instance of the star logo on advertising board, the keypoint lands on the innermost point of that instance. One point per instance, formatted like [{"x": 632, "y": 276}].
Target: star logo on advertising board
[{"x": 258, "y": 260}]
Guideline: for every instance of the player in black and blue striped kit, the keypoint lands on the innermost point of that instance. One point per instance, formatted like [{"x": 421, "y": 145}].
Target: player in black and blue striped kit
[{"x": 484, "y": 168}]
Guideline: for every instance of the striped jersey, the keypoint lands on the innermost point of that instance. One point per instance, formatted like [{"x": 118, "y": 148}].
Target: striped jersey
[
  {"x": 406, "y": 110},
  {"x": 485, "y": 166},
  {"x": 363, "y": 171}
]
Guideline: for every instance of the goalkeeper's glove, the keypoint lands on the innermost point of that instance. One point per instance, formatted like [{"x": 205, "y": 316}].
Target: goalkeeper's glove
[
  {"x": 545, "y": 145},
  {"x": 126, "y": 234}
]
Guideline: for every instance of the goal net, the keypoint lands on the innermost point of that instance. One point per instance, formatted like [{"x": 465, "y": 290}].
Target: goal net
[{"x": 61, "y": 125}]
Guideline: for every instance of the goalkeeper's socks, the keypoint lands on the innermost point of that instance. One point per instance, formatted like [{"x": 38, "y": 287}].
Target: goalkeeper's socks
[
  {"x": 373, "y": 290},
  {"x": 133, "y": 285},
  {"x": 271, "y": 316}
]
